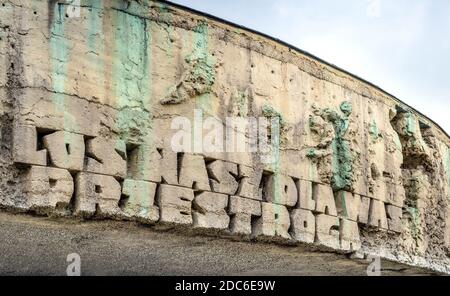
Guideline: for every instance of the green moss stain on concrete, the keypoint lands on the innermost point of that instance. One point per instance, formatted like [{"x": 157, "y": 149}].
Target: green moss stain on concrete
[
  {"x": 131, "y": 75},
  {"x": 374, "y": 131},
  {"x": 202, "y": 68},
  {"x": 270, "y": 112},
  {"x": 276, "y": 122},
  {"x": 342, "y": 165},
  {"x": 95, "y": 35},
  {"x": 199, "y": 74},
  {"x": 141, "y": 197},
  {"x": 132, "y": 88},
  {"x": 398, "y": 142},
  {"x": 410, "y": 125},
  {"x": 60, "y": 59},
  {"x": 415, "y": 222},
  {"x": 342, "y": 161},
  {"x": 59, "y": 53},
  {"x": 337, "y": 179}
]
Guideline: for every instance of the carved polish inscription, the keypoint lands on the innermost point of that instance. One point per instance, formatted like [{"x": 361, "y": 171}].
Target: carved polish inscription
[{"x": 77, "y": 175}]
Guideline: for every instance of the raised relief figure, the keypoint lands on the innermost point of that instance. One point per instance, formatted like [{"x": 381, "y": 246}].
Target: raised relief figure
[
  {"x": 416, "y": 151},
  {"x": 342, "y": 157},
  {"x": 199, "y": 75},
  {"x": 322, "y": 154}
]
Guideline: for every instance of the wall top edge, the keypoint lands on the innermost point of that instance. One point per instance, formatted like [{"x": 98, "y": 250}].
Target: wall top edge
[{"x": 402, "y": 104}]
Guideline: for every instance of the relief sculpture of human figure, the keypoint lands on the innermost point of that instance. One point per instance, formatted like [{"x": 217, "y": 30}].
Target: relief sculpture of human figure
[{"x": 336, "y": 141}]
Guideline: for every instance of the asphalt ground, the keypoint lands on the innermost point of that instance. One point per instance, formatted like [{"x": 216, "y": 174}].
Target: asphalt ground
[{"x": 31, "y": 245}]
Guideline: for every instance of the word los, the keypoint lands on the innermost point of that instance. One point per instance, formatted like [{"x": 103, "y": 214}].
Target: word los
[{"x": 100, "y": 177}]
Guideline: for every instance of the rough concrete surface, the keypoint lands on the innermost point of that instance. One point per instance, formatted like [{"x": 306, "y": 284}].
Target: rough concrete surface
[{"x": 39, "y": 246}]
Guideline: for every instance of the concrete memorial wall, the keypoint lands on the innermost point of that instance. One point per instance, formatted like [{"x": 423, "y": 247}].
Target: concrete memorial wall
[{"x": 146, "y": 111}]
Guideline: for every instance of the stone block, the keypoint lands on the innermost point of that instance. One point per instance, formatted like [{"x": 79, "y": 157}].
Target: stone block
[
  {"x": 324, "y": 197},
  {"x": 97, "y": 195},
  {"x": 281, "y": 189},
  {"x": 274, "y": 221},
  {"x": 327, "y": 231},
  {"x": 149, "y": 163},
  {"x": 66, "y": 150},
  {"x": 377, "y": 215},
  {"x": 364, "y": 209},
  {"x": 47, "y": 188},
  {"x": 303, "y": 226},
  {"x": 52, "y": 111},
  {"x": 348, "y": 205},
  {"x": 210, "y": 211},
  {"x": 222, "y": 177},
  {"x": 394, "y": 217},
  {"x": 250, "y": 181},
  {"x": 193, "y": 172},
  {"x": 139, "y": 200},
  {"x": 242, "y": 210},
  {"x": 349, "y": 236},
  {"x": 106, "y": 157},
  {"x": 396, "y": 195},
  {"x": 175, "y": 204},
  {"x": 25, "y": 146},
  {"x": 305, "y": 199}
]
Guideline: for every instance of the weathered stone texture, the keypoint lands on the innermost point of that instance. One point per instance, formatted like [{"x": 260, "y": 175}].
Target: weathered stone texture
[
  {"x": 242, "y": 211},
  {"x": 48, "y": 188},
  {"x": 175, "y": 204},
  {"x": 139, "y": 200},
  {"x": 66, "y": 150},
  {"x": 210, "y": 211},
  {"x": 88, "y": 118},
  {"x": 96, "y": 195},
  {"x": 303, "y": 226}
]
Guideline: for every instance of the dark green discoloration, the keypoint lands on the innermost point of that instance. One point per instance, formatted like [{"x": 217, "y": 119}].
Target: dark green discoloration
[
  {"x": 132, "y": 88},
  {"x": 60, "y": 57},
  {"x": 276, "y": 123},
  {"x": 202, "y": 68},
  {"x": 411, "y": 125},
  {"x": 197, "y": 81},
  {"x": 131, "y": 76},
  {"x": 374, "y": 131},
  {"x": 415, "y": 222},
  {"x": 270, "y": 112},
  {"x": 342, "y": 162}
]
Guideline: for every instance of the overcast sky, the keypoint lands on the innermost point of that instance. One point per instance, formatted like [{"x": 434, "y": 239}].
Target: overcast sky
[{"x": 403, "y": 46}]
